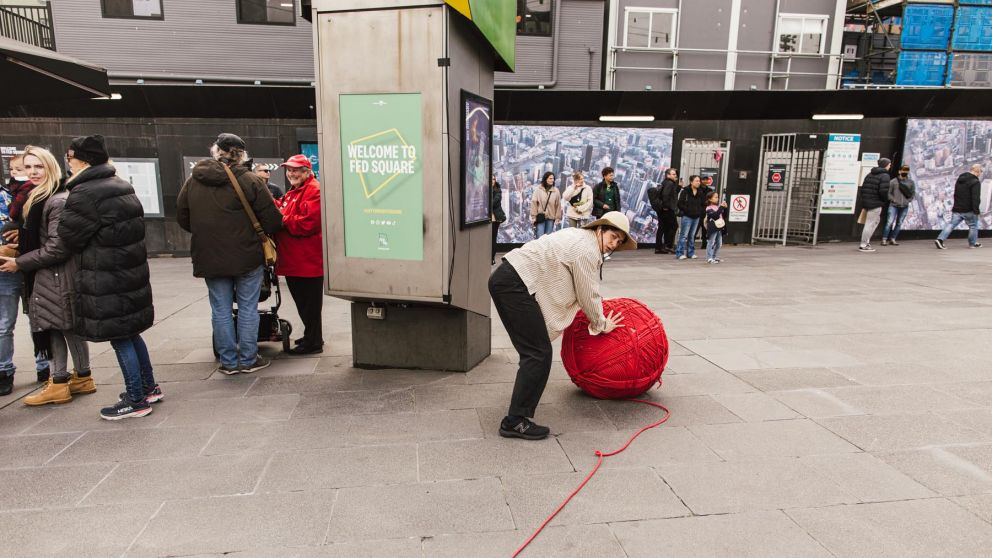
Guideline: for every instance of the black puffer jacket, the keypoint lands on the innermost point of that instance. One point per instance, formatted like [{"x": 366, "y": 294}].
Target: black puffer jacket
[
  {"x": 693, "y": 205},
  {"x": 875, "y": 188},
  {"x": 967, "y": 194},
  {"x": 669, "y": 194},
  {"x": 224, "y": 244},
  {"x": 103, "y": 225}
]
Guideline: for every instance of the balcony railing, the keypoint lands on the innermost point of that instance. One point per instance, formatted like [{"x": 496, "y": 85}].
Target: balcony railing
[{"x": 28, "y": 24}]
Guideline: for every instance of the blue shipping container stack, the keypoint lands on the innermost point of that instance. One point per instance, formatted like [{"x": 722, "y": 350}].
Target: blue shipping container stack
[
  {"x": 973, "y": 29},
  {"x": 917, "y": 67},
  {"x": 926, "y": 27},
  {"x": 975, "y": 2}
]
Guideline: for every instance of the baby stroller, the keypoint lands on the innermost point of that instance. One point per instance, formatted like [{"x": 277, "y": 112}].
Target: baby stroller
[{"x": 271, "y": 328}]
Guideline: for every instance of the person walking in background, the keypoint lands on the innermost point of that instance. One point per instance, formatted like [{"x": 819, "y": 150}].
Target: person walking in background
[
  {"x": 716, "y": 226},
  {"x": 874, "y": 194},
  {"x": 545, "y": 206},
  {"x": 301, "y": 251},
  {"x": 496, "y": 214},
  {"x": 226, "y": 251},
  {"x": 49, "y": 271},
  {"x": 902, "y": 190},
  {"x": 692, "y": 204},
  {"x": 578, "y": 200},
  {"x": 967, "y": 204},
  {"x": 263, "y": 171},
  {"x": 606, "y": 195},
  {"x": 103, "y": 224}
]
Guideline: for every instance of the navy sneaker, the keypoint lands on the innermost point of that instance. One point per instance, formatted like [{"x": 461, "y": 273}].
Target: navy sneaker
[
  {"x": 260, "y": 363},
  {"x": 153, "y": 395},
  {"x": 126, "y": 409},
  {"x": 524, "y": 428},
  {"x": 229, "y": 370}
]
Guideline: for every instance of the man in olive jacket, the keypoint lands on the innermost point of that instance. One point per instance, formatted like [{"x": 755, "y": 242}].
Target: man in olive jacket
[{"x": 227, "y": 253}]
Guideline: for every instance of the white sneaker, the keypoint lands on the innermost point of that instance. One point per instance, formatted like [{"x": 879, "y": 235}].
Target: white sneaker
[
  {"x": 682, "y": 257},
  {"x": 710, "y": 261},
  {"x": 692, "y": 257}
]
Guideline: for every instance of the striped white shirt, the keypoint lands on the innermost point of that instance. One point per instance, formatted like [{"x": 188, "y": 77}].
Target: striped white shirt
[{"x": 561, "y": 270}]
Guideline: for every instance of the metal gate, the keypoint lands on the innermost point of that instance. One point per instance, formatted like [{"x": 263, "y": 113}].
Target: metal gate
[
  {"x": 705, "y": 157},
  {"x": 787, "y": 198}
]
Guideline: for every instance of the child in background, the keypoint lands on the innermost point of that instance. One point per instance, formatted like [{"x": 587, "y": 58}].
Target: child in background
[{"x": 716, "y": 225}]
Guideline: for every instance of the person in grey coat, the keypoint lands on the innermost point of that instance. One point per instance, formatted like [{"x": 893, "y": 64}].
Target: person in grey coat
[
  {"x": 902, "y": 190},
  {"x": 48, "y": 264}
]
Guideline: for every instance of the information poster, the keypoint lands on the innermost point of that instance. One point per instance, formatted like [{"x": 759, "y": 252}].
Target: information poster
[
  {"x": 382, "y": 176},
  {"x": 840, "y": 174},
  {"x": 144, "y": 177}
]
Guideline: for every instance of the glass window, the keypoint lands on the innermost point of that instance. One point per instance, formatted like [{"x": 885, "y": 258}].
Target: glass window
[
  {"x": 143, "y": 9},
  {"x": 649, "y": 28},
  {"x": 272, "y": 12},
  {"x": 534, "y": 17},
  {"x": 801, "y": 34}
]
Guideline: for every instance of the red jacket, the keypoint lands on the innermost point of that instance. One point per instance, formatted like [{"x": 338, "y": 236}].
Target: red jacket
[{"x": 300, "y": 244}]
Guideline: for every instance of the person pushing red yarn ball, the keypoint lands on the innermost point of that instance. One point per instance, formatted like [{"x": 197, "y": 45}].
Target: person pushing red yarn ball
[{"x": 625, "y": 363}]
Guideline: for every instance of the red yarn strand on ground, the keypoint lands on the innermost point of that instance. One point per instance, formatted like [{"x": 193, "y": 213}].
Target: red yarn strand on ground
[{"x": 599, "y": 461}]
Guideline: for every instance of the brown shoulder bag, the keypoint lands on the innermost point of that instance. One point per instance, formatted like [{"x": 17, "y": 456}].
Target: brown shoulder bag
[{"x": 268, "y": 245}]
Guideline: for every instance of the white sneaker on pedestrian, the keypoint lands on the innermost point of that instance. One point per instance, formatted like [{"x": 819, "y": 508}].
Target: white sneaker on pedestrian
[
  {"x": 976, "y": 245},
  {"x": 866, "y": 248},
  {"x": 683, "y": 256},
  {"x": 939, "y": 243},
  {"x": 692, "y": 257}
]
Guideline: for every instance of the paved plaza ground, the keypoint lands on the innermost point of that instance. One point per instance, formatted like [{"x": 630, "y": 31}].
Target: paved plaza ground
[{"x": 824, "y": 403}]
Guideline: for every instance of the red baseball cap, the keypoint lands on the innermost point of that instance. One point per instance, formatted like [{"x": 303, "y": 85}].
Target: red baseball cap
[{"x": 298, "y": 161}]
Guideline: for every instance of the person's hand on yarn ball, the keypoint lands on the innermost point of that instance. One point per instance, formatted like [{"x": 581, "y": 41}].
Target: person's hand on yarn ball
[{"x": 613, "y": 320}]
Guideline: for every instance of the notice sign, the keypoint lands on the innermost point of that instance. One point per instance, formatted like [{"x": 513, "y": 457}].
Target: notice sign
[
  {"x": 840, "y": 174},
  {"x": 740, "y": 204},
  {"x": 382, "y": 176},
  {"x": 143, "y": 176},
  {"x": 776, "y": 178}
]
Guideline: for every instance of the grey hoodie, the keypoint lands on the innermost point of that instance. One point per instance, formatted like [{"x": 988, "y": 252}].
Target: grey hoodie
[{"x": 896, "y": 196}]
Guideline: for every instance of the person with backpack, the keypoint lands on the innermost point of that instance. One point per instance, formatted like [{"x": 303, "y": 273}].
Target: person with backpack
[
  {"x": 545, "y": 206},
  {"x": 902, "y": 190}
]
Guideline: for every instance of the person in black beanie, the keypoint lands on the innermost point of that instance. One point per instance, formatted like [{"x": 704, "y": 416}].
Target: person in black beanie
[{"x": 103, "y": 225}]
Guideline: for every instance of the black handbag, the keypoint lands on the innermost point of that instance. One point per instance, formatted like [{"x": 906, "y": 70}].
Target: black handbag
[{"x": 540, "y": 218}]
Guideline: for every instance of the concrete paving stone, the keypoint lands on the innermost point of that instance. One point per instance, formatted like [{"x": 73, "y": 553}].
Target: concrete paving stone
[
  {"x": 979, "y": 420},
  {"x": 560, "y": 418},
  {"x": 319, "y": 384},
  {"x": 763, "y": 534},
  {"x": 704, "y": 383},
  {"x": 697, "y": 409},
  {"x": 690, "y": 364},
  {"x": 755, "y": 407},
  {"x": 393, "y": 548},
  {"x": 164, "y": 372},
  {"x": 768, "y": 483},
  {"x": 18, "y": 418},
  {"x": 400, "y": 379},
  {"x": 782, "y": 358},
  {"x": 949, "y": 470},
  {"x": 192, "y": 412},
  {"x": 232, "y": 523},
  {"x": 879, "y": 433},
  {"x": 923, "y": 528},
  {"x": 783, "y": 438},
  {"x": 867, "y": 477},
  {"x": 492, "y": 457},
  {"x": 32, "y": 451},
  {"x": 612, "y": 495},
  {"x": 816, "y": 403},
  {"x": 200, "y": 355},
  {"x": 976, "y": 392},
  {"x": 355, "y": 403},
  {"x": 179, "y": 479},
  {"x": 342, "y": 431},
  {"x": 284, "y": 366},
  {"x": 980, "y": 505},
  {"x": 48, "y": 487},
  {"x": 422, "y": 509},
  {"x": 870, "y": 400},
  {"x": 88, "y": 532},
  {"x": 586, "y": 541},
  {"x": 432, "y": 398},
  {"x": 83, "y": 414},
  {"x": 794, "y": 378},
  {"x": 136, "y": 445},
  {"x": 333, "y": 364},
  {"x": 677, "y": 349},
  {"x": 339, "y": 468},
  {"x": 895, "y": 374},
  {"x": 704, "y": 347},
  {"x": 506, "y": 373},
  {"x": 655, "y": 447}
]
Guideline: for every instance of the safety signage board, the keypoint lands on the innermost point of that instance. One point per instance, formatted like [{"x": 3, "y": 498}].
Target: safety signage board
[
  {"x": 776, "y": 178},
  {"x": 839, "y": 192},
  {"x": 740, "y": 205}
]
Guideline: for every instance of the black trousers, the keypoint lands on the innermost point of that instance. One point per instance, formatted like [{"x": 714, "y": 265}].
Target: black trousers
[
  {"x": 666, "y": 229},
  {"x": 495, "y": 233},
  {"x": 308, "y": 295},
  {"x": 524, "y": 322}
]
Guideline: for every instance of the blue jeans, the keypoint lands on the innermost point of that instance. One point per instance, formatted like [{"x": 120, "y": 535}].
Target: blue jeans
[
  {"x": 241, "y": 347},
  {"x": 892, "y": 227},
  {"x": 971, "y": 218},
  {"x": 541, "y": 229},
  {"x": 10, "y": 296},
  {"x": 687, "y": 237},
  {"x": 132, "y": 356},
  {"x": 714, "y": 240}
]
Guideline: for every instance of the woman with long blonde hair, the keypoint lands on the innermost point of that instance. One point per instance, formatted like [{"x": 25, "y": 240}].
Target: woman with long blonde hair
[{"x": 48, "y": 274}]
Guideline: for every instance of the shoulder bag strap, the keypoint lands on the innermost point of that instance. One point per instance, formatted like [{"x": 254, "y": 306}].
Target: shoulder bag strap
[
  {"x": 548, "y": 201},
  {"x": 244, "y": 203}
]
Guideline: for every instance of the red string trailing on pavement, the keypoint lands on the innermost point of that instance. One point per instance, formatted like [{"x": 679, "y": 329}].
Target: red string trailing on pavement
[{"x": 600, "y": 455}]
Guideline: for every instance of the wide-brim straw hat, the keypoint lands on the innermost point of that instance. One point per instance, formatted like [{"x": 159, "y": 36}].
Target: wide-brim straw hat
[{"x": 618, "y": 221}]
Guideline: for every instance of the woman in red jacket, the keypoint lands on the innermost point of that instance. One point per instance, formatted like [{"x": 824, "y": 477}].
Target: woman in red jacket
[{"x": 301, "y": 251}]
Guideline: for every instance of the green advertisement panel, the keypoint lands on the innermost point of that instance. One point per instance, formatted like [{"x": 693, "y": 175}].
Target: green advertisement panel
[{"x": 382, "y": 176}]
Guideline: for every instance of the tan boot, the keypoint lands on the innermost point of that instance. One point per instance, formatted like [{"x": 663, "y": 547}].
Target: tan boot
[
  {"x": 79, "y": 385},
  {"x": 51, "y": 393}
]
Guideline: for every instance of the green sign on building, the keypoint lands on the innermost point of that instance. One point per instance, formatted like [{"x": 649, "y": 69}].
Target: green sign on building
[{"x": 382, "y": 176}]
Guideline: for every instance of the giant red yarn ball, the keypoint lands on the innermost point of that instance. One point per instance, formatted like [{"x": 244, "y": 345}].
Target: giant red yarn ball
[{"x": 623, "y": 363}]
